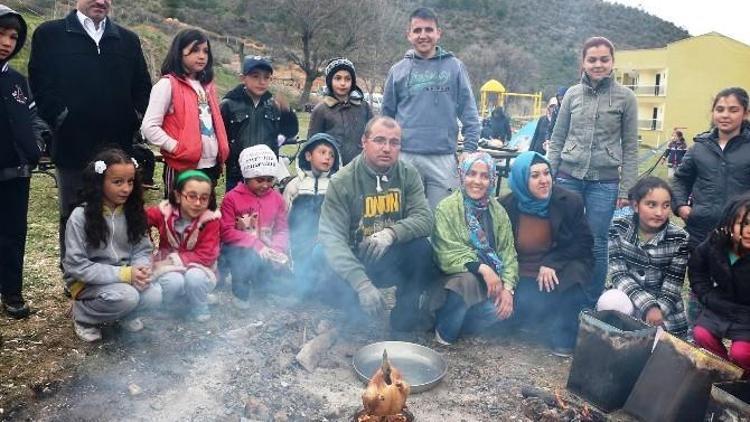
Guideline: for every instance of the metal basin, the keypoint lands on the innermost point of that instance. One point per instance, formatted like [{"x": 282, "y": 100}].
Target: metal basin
[{"x": 422, "y": 367}]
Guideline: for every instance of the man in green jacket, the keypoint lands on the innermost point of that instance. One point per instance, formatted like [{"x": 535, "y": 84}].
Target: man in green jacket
[{"x": 374, "y": 225}]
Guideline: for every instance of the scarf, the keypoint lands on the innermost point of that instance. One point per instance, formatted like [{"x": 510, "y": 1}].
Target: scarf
[
  {"x": 519, "y": 185},
  {"x": 475, "y": 211}
]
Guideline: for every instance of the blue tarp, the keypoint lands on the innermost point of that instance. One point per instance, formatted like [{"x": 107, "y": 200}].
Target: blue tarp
[{"x": 522, "y": 138}]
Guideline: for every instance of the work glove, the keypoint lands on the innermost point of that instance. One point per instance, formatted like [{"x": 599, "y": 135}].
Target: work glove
[
  {"x": 374, "y": 246},
  {"x": 370, "y": 299}
]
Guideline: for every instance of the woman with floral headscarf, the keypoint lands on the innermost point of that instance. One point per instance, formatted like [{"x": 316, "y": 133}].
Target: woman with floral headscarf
[
  {"x": 555, "y": 251},
  {"x": 473, "y": 246}
]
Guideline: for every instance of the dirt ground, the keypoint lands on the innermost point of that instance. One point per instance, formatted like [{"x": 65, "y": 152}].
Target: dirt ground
[
  {"x": 238, "y": 365},
  {"x": 241, "y": 365}
]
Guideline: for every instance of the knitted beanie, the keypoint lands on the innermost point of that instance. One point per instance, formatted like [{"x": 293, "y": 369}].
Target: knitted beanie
[
  {"x": 258, "y": 161},
  {"x": 340, "y": 63}
]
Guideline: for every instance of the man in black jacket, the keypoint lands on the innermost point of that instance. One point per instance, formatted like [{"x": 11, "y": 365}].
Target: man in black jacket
[
  {"x": 20, "y": 149},
  {"x": 91, "y": 84}
]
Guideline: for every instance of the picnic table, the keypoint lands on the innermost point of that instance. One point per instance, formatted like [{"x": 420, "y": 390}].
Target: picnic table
[
  {"x": 503, "y": 158},
  {"x": 46, "y": 166}
]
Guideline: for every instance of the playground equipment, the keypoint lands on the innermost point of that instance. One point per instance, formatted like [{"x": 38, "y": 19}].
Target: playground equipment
[{"x": 493, "y": 94}]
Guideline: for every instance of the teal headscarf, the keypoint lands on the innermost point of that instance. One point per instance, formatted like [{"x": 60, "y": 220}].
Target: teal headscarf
[{"x": 519, "y": 184}]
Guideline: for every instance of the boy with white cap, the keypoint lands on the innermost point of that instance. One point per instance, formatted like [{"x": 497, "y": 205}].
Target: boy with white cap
[{"x": 254, "y": 231}]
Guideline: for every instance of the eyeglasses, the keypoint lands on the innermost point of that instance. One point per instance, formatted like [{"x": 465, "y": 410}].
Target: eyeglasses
[
  {"x": 194, "y": 197},
  {"x": 381, "y": 141}
]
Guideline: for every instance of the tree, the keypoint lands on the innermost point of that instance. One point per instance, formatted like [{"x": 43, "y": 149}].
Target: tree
[
  {"x": 516, "y": 69},
  {"x": 310, "y": 32},
  {"x": 383, "y": 47}
]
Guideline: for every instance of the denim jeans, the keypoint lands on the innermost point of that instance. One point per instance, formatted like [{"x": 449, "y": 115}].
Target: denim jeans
[
  {"x": 247, "y": 267},
  {"x": 455, "y": 318},
  {"x": 556, "y": 311},
  {"x": 599, "y": 201},
  {"x": 408, "y": 266},
  {"x": 193, "y": 285}
]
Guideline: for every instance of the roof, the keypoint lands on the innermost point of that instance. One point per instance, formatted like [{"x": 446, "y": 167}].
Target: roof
[{"x": 492, "y": 86}]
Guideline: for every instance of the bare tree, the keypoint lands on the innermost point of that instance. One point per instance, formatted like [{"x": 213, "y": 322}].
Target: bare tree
[
  {"x": 315, "y": 31},
  {"x": 383, "y": 46},
  {"x": 514, "y": 68}
]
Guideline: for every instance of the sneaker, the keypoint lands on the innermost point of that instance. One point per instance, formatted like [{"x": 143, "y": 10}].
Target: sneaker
[
  {"x": 440, "y": 339},
  {"x": 201, "y": 314},
  {"x": 563, "y": 352},
  {"x": 240, "y": 304},
  {"x": 17, "y": 309},
  {"x": 212, "y": 299},
  {"x": 132, "y": 325},
  {"x": 89, "y": 334}
]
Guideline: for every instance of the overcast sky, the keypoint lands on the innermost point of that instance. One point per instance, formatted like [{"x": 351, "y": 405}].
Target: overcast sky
[{"x": 728, "y": 17}]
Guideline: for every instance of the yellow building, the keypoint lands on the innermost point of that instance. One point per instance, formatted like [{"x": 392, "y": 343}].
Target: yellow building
[{"x": 675, "y": 85}]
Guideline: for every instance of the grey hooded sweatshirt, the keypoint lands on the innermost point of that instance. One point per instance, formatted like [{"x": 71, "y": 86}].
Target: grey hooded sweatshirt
[
  {"x": 427, "y": 97},
  {"x": 106, "y": 264}
]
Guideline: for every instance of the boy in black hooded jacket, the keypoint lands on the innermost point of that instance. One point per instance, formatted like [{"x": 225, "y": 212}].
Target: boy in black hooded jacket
[{"x": 20, "y": 150}]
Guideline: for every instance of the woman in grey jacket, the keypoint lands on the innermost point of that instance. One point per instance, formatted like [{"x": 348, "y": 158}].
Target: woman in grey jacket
[{"x": 594, "y": 146}]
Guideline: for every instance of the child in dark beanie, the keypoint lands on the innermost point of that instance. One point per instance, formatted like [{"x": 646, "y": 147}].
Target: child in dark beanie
[
  {"x": 20, "y": 149},
  {"x": 342, "y": 114}
]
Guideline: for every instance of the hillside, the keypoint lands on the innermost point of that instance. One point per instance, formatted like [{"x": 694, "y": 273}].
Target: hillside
[
  {"x": 547, "y": 34},
  {"x": 529, "y": 45}
]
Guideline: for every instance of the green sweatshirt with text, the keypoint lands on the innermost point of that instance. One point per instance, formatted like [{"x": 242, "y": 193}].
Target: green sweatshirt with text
[{"x": 360, "y": 202}]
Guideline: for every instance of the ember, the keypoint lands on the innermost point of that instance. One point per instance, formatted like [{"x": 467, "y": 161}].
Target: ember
[{"x": 540, "y": 405}]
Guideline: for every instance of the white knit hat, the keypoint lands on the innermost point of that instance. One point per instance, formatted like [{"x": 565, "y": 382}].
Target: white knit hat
[
  {"x": 615, "y": 300},
  {"x": 258, "y": 161}
]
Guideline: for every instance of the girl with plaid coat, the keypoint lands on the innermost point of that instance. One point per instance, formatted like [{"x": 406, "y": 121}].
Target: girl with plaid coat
[{"x": 647, "y": 260}]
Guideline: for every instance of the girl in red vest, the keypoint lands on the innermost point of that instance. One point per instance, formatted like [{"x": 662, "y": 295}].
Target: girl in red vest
[{"x": 183, "y": 117}]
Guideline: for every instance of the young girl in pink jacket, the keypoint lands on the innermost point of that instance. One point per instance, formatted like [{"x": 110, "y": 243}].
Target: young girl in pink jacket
[{"x": 254, "y": 231}]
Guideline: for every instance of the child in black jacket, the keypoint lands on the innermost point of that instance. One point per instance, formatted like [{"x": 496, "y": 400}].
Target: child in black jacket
[
  {"x": 20, "y": 150},
  {"x": 719, "y": 269}
]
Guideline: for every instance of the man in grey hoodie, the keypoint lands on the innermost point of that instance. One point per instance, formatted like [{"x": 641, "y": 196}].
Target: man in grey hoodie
[{"x": 427, "y": 92}]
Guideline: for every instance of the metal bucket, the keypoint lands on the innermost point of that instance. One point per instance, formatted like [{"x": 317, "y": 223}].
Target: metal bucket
[
  {"x": 610, "y": 353},
  {"x": 676, "y": 382},
  {"x": 729, "y": 401}
]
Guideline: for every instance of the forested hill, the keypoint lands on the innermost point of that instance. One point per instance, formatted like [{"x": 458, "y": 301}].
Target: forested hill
[
  {"x": 548, "y": 33},
  {"x": 529, "y": 45}
]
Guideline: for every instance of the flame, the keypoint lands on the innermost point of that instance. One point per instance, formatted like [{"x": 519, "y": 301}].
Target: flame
[
  {"x": 586, "y": 412},
  {"x": 559, "y": 400}
]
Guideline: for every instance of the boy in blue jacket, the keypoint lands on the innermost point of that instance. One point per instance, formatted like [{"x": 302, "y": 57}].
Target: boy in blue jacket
[{"x": 20, "y": 150}]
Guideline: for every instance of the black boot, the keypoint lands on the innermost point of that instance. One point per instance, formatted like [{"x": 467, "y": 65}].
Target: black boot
[{"x": 16, "y": 307}]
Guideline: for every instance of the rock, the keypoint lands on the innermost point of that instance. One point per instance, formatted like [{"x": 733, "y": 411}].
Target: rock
[
  {"x": 280, "y": 417},
  {"x": 243, "y": 332},
  {"x": 284, "y": 360},
  {"x": 341, "y": 413},
  {"x": 157, "y": 404},
  {"x": 255, "y": 409},
  {"x": 313, "y": 350},
  {"x": 134, "y": 389},
  {"x": 323, "y": 326}
]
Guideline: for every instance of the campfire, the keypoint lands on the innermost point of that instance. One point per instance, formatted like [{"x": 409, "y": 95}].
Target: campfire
[
  {"x": 540, "y": 405},
  {"x": 384, "y": 398}
]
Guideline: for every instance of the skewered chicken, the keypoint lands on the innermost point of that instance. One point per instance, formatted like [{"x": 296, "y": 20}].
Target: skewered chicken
[{"x": 386, "y": 392}]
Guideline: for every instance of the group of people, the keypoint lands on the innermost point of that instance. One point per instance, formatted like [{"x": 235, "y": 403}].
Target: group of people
[{"x": 376, "y": 201}]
